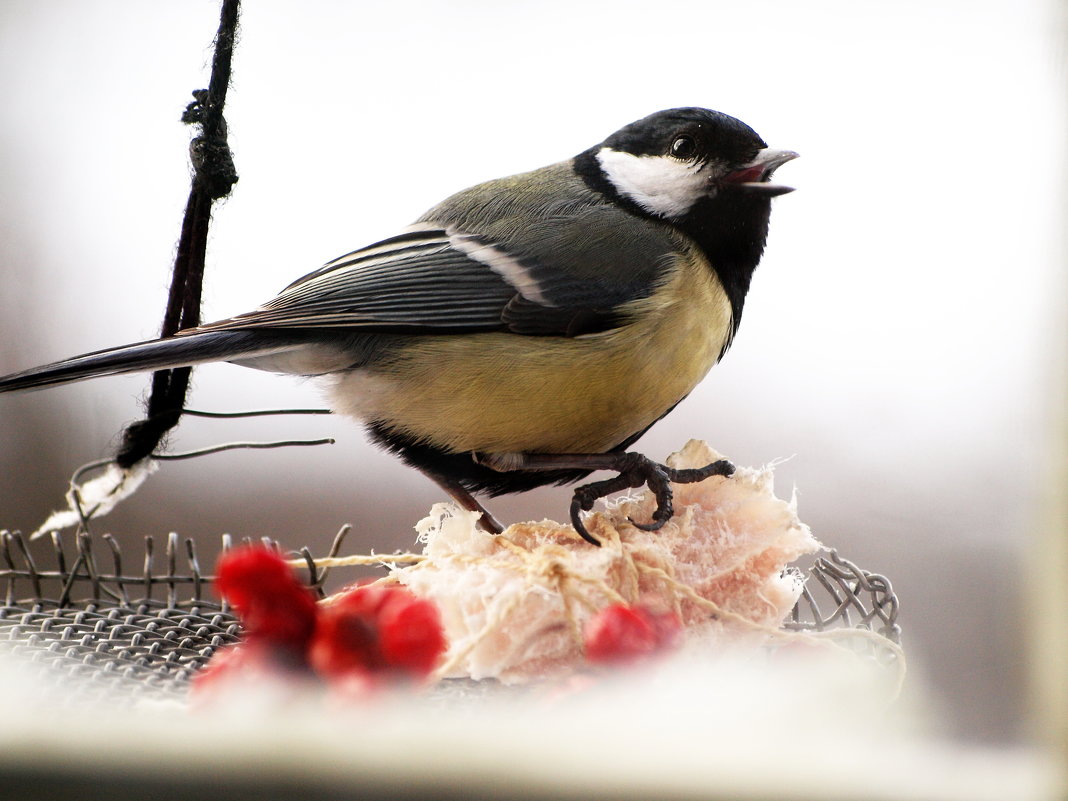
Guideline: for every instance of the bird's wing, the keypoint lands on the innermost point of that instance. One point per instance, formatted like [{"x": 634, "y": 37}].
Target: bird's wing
[
  {"x": 573, "y": 274},
  {"x": 415, "y": 281}
]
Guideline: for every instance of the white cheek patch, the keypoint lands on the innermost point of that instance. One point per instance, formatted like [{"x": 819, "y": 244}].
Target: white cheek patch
[{"x": 659, "y": 184}]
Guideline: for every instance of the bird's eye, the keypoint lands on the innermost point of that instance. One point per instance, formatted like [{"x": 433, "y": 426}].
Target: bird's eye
[{"x": 683, "y": 147}]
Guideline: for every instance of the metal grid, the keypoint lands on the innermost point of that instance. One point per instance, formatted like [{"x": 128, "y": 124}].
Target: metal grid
[
  {"x": 105, "y": 627},
  {"x": 128, "y": 636},
  {"x": 854, "y": 597}
]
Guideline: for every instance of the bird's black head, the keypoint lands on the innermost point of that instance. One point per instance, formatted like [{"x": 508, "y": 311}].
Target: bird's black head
[
  {"x": 702, "y": 172},
  {"x": 686, "y": 133},
  {"x": 667, "y": 163}
]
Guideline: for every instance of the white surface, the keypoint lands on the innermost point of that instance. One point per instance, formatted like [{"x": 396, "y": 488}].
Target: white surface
[{"x": 813, "y": 730}]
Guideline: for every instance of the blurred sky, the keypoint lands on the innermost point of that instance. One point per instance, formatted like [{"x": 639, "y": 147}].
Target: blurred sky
[{"x": 896, "y": 337}]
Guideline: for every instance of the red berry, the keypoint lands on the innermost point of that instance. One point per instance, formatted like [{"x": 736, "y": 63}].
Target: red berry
[
  {"x": 621, "y": 634},
  {"x": 618, "y": 634},
  {"x": 345, "y": 642},
  {"x": 411, "y": 634},
  {"x": 377, "y": 630},
  {"x": 273, "y": 605},
  {"x": 666, "y": 625}
]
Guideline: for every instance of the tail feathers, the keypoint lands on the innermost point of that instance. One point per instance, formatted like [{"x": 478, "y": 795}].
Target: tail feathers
[{"x": 159, "y": 354}]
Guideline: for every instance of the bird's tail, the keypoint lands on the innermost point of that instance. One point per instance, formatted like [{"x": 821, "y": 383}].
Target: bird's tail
[{"x": 158, "y": 354}]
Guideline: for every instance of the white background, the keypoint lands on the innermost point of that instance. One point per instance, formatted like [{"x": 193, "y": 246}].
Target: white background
[{"x": 896, "y": 339}]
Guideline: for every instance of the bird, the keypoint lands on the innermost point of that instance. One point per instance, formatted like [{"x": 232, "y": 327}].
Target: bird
[{"x": 528, "y": 330}]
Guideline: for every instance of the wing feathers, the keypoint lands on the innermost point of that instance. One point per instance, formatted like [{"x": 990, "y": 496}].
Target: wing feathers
[
  {"x": 439, "y": 278},
  {"x": 411, "y": 281}
]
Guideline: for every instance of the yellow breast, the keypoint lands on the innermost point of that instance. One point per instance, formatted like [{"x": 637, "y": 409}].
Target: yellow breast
[{"x": 501, "y": 392}]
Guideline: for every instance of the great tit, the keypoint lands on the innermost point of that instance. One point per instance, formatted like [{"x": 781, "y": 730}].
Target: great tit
[{"x": 528, "y": 330}]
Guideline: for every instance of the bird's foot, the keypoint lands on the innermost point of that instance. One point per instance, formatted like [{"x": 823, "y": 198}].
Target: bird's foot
[{"x": 634, "y": 470}]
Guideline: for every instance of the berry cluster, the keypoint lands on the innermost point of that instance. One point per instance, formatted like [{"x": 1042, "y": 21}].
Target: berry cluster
[{"x": 368, "y": 636}]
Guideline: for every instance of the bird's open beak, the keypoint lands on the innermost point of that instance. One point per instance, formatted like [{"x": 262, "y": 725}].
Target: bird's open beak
[{"x": 754, "y": 176}]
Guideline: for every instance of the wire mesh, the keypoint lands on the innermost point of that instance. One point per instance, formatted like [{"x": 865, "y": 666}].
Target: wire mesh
[
  {"x": 99, "y": 624},
  {"x": 856, "y": 598},
  {"x": 108, "y": 628}
]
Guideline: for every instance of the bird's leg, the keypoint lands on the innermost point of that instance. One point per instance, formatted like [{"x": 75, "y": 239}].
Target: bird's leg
[
  {"x": 487, "y": 522},
  {"x": 634, "y": 470}
]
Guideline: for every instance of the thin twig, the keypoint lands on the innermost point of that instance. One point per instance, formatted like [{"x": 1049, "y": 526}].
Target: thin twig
[
  {"x": 232, "y": 446},
  {"x": 253, "y": 413}
]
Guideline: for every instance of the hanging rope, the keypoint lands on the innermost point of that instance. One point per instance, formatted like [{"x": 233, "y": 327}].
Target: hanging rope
[{"x": 213, "y": 177}]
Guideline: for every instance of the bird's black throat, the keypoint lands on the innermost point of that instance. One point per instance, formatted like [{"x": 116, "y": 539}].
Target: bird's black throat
[{"x": 731, "y": 229}]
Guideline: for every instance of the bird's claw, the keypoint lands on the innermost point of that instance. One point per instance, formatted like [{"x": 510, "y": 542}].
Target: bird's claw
[{"x": 636, "y": 470}]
